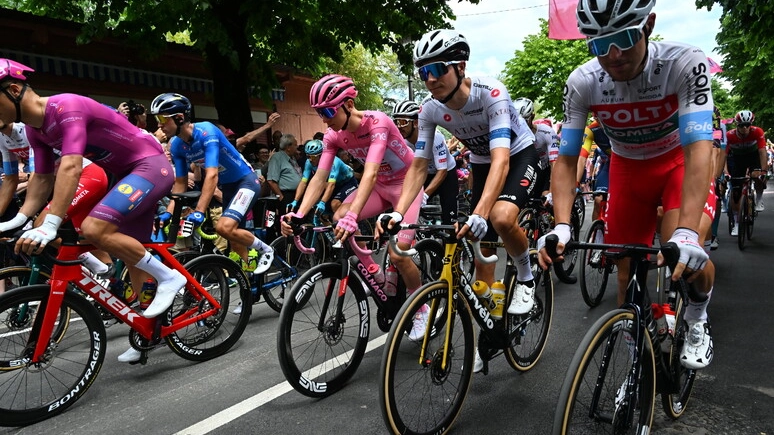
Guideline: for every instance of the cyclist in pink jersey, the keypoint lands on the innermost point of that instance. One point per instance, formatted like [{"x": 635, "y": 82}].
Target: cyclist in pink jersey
[
  {"x": 373, "y": 139},
  {"x": 77, "y": 128},
  {"x": 654, "y": 102}
]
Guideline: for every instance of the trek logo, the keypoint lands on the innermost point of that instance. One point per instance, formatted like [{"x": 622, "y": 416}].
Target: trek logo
[{"x": 98, "y": 292}]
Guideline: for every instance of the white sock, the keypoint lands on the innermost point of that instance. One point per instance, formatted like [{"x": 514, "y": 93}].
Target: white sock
[
  {"x": 260, "y": 246},
  {"x": 523, "y": 267},
  {"x": 155, "y": 268},
  {"x": 697, "y": 311},
  {"x": 93, "y": 263}
]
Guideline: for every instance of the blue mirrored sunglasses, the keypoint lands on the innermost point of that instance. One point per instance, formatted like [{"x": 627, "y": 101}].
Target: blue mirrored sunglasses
[
  {"x": 327, "y": 112},
  {"x": 437, "y": 69},
  {"x": 624, "y": 39}
]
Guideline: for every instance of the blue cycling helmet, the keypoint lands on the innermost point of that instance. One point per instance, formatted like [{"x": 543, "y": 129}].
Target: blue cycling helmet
[{"x": 314, "y": 147}]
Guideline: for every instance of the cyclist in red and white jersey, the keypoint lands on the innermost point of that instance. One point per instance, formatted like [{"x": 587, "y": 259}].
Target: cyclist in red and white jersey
[
  {"x": 653, "y": 100},
  {"x": 478, "y": 111},
  {"x": 746, "y": 153}
]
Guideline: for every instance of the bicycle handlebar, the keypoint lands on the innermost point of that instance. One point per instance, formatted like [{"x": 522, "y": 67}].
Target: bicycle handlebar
[{"x": 411, "y": 251}]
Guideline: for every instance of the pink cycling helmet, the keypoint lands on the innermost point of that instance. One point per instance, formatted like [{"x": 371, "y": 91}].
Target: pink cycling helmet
[
  {"x": 331, "y": 91},
  {"x": 10, "y": 69}
]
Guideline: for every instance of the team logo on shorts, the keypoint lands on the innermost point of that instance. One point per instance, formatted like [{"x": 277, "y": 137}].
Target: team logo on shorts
[
  {"x": 495, "y": 92},
  {"x": 125, "y": 189},
  {"x": 59, "y": 109},
  {"x": 164, "y": 172}
]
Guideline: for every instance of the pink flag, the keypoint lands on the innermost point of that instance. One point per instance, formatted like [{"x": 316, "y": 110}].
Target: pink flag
[
  {"x": 562, "y": 23},
  {"x": 714, "y": 66}
]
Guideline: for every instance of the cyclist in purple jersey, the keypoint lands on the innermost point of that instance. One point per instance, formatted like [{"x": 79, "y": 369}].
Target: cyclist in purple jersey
[
  {"x": 79, "y": 127},
  {"x": 204, "y": 145}
]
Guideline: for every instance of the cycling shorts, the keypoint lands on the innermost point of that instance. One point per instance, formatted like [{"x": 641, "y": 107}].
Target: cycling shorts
[
  {"x": 240, "y": 197},
  {"x": 343, "y": 190},
  {"x": 520, "y": 183},
  {"x": 385, "y": 195},
  {"x": 92, "y": 186},
  {"x": 637, "y": 188},
  {"x": 738, "y": 165}
]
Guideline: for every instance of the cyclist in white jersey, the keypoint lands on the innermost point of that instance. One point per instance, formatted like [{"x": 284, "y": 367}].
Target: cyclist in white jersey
[
  {"x": 479, "y": 112},
  {"x": 653, "y": 100}
]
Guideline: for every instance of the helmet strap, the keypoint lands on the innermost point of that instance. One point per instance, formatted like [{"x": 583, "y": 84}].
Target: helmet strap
[
  {"x": 16, "y": 100},
  {"x": 456, "y": 88},
  {"x": 346, "y": 123}
]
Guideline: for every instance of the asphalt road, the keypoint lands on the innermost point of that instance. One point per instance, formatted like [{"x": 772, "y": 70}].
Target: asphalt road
[{"x": 244, "y": 391}]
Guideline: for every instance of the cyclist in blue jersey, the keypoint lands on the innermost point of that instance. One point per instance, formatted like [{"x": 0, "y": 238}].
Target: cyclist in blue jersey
[{"x": 341, "y": 180}]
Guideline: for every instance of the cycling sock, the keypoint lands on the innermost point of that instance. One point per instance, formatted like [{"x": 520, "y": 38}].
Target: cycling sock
[
  {"x": 260, "y": 246},
  {"x": 93, "y": 263},
  {"x": 523, "y": 267},
  {"x": 697, "y": 311},
  {"x": 156, "y": 268}
]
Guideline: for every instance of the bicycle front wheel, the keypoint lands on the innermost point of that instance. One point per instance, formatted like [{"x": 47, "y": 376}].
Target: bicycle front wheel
[
  {"x": 595, "y": 270},
  {"x": 744, "y": 219},
  {"x": 422, "y": 390},
  {"x": 33, "y": 392},
  {"x": 529, "y": 332},
  {"x": 323, "y": 331},
  {"x": 212, "y": 336},
  {"x": 750, "y": 216},
  {"x": 675, "y": 400},
  {"x": 593, "y": 398}
]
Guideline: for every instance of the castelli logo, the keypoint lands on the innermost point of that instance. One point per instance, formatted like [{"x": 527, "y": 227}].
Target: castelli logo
[
  {"x": 524, "y": 182},
  {"x": 495, "y": 92},
  {"x": 59, "y": 109},
  {"x": 447, "y": 117},
  {"x": 164, "y": 172}
]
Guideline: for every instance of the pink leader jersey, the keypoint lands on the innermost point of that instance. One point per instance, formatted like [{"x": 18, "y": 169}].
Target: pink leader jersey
[
  {"x": 78, "y": 125},
  {"x": 377, "y": 140}
]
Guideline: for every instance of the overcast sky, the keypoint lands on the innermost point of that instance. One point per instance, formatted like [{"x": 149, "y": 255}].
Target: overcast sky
[{"x": 495, "y": 29}]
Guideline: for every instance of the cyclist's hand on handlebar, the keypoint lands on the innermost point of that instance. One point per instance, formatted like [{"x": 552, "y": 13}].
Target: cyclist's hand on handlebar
[
  {"x": 346, "y": 226},
  {"x": 293, "y": 206},
  {"x": 197, "y": 218},
  {"x": 33, "y": 241},
  {"x": 475, "y": 225},
  {"x": 164, "y": 218},
  {"x": 17, "y": 222},
  {"x": 320, "y": 207},
  {"x": 549, "y": 199},
  {"x": 387, "y": 221},
  {"x": 564, "y": 233},
  {"x": 692, "y": 254},
  {"x": 285, "y": 228}
]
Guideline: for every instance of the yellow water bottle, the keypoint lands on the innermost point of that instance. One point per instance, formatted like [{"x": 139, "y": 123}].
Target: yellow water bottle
[
  {"x": 481, "y": 289},
  {"x": 498, "y": 299}
]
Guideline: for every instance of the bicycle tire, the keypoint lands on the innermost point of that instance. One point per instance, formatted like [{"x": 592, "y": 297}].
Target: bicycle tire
[
  {"x": 429, "y": 259},
  {"x": 316, "y": 355},
  {"x": 426, "y": 398},
  {"x": 750, "y": 216},
  {"x": 285, "y": 271},
  {"x": 596, "y": 379},
  {"x": 213, "y": 336},
  {"x": 593, "y": 276},
  {"x": 36, "y": 392},
  {"x": 528, "y": 223},
  {"x": 675, "y": 402},
  {"x": 741, "y": 235},
  {"x": 525, "y": 351},
  {"x": 563, "y": 270}
]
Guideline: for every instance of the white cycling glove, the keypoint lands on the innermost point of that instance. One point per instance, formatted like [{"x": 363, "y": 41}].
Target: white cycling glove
[
  {"x": 394, "y": 216},
  {"x": 549, "y": 199},
  {"x": 478, "y": 226},
  {"x": 16, "y": 222},
  {"x": 46, "y": 232},
  {"x": 692, "y": 254},
  {"x": 563, "y": 231}
]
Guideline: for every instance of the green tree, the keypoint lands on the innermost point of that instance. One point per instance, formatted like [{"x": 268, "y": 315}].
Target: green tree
[
  {"x": 748, "y": 49},
  {"x": 540, "y": 70},
  {"x": 242, "y": 41}
]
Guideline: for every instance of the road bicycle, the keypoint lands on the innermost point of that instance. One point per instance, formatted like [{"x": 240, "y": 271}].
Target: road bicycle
[
  {"x": 537, "y": 219},
  {"x": 624, "y": 360},
  {"x": 597, "y": 267},
  {"x": 747, "y": 210},
  {"x": 43, "y": 372},
  {"x": 424, "y": 383},
  {"x": 326, "y": 320}
]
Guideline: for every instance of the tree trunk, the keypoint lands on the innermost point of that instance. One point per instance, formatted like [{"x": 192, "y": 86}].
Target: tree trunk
[{"x": 231, "y": 92}]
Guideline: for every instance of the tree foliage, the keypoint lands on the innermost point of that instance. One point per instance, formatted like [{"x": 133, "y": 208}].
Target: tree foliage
[
  {"x": 243, "y": 41},
  {"x": 540, "y": 70},
  {"x": 748, "y": 49}
]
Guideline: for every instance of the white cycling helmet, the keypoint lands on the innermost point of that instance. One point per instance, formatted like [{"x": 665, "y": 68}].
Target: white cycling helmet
[
  {"x": 406, "y": 109},
  {"x": 744, "y": 117},
  {"x": 525, "y": 107},
  {"x": 601, "y": 17},
  {"x": 441, "y": 45}
]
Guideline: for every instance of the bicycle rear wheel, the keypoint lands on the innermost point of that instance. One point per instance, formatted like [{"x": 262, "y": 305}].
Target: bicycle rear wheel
[
  {"x": 323, "y": 331},
  {"x": 288, "y": 265},
  {"x": 213, "y": 336},
  {"x": 563, "y": 270},
  {"x": 593, "y": 397},
  {"x": 595, "y": 270},
  {"x": 528, "y": 223},
  {"x": 422, "y": 395},
  {"x": 525, "y": 349},
  {"x": 743, "y": 221},
  {"x": 30, "y": 393},
  {"x": 675, "y": 400}
]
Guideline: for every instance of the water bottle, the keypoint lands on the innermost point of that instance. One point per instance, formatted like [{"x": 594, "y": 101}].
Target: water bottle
[
  {"x": 122, "y": 291},
  {"x": 391, "y": 280},
  {"x": 662, "y": 327},
  {"x": 376, "y": 273},
  {"x": 498, "y": 299},
  {"x": 148, "y": 293},
  {"x": 484, "y": 294}
]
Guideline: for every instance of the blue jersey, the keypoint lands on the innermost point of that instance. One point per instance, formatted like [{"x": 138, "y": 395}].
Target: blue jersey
[
  {"x": 340, "y": 171},
  {"x": 209, "y": 148}
]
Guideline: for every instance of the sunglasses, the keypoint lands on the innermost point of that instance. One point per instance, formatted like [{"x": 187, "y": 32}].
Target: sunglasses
[
  {"x": 327, "y": 112},
  {"x": 437, "y": 69},
  {"x": 624, "y": 39},
  {"x": 162, "y": 119},
  {"x": 743, "y": 125},
  {"x": 400, "y": 123}
]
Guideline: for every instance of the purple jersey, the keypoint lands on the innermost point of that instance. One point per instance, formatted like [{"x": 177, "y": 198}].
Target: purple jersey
[{"x": 77, "y": 125}]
